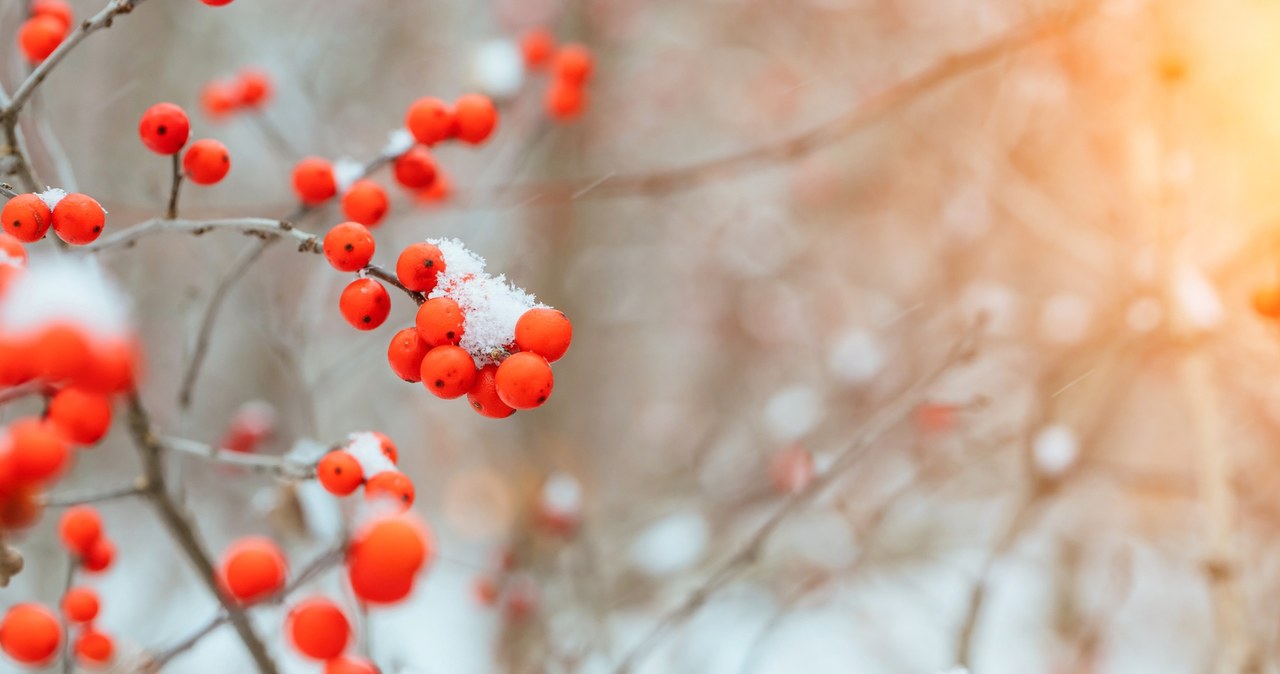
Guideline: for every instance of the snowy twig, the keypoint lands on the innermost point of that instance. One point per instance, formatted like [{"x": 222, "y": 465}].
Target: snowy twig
[
  {"x": 274, "y": 465},
  {"x": 262, "y": 227}
]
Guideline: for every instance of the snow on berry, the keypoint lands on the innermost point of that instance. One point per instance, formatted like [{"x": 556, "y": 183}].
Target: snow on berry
[
  {"x": 65, "y": 290},
  {"x": 366, "y": 447}
]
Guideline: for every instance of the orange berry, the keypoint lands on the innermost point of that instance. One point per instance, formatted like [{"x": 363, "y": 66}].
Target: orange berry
[
  {"x": 573, "y": 64},
  {"x": 405, "y": 354},
  {"x": 61, "y": 353},
  {"x": 374, "y": 586},
  {"x": 30, "y": 634},
  {"x": 100, "y": 556},
  {"x": 216, "y": 3},
  {"x": 255, "y": 87},
  {"x": 397, "y": 545},
  {"x": 80, "y": 528},
  {"x": 40, "y": 452},
  {"x": 366, "y": 202},
  {"x": 20, "y": 508},
  {"x": 349, "y": 665},
  {"x": 318, "y": 628},
  {"x": 83, "y": 416},
  {"x": 40, "y": 36},
  {"x": 537, "y": 45},
  {"x": 440, "y": 321},
  {"x": 419, "y": 265},
  {"x": 416, "y": 168},
  {"x": 365, "y": 304},
  {"x": 349, "y": 246},
  {"x": 94, "y": 648},
  {"x": 116, "y": 366},
  {"x": 58, "y": 9},
  {"x": 206, "y": 162},
  {"x": 26, "y": 217},
  {"x": 477, "y": 118},
  {"x": 448, "y": 371},
  {"x": 164, "y": 128},
  {"x": 313, "y": 180},
  {"x": 565, "y": 100},
  {"x": 439, "y": 192},
  {"x": 391, "y": 485},
  {"x": 78, "y": 219},
  {"x": 524, "y": 380},
  {"x": 388, "y": 447},
  {"x": 1267, "y": 302},
  {"x": 220, "y": 98},
  {"x": 483, "y": 395},
  {"x": 429, "y": 120},
  {"x": 546, "y": 332},
  {"x": 253, "y": 568},
  {"x": 80, "y": 604},
  {"x": 339, "y": 473}
]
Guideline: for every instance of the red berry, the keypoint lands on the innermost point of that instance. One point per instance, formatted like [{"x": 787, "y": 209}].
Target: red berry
[
  {"x": 546, "y": 332},
  {"x": 80, "y": 528},
  {"x": 440, "y": 321},
  {"x": 80, "y": 604},
  {"x": 255, "y": 87},
  {"x": 219, "y": 98},
  {"x": 573, "y": 64},
  {"x": 391, "y": 485},
  {"x": 40, "y": 36},
  {"x": 349, "y": 665},
  {"x": 477, "y": 118},
  {"x": 40, "y": 451},
  {"x": 365, "y": 304},
  {"x": 94, "y": 648},
  {"x": 483, "y": 395},
  {"x": 30, "y": 634},
  {"x": 318, "y": 628},
  {"x": 349, "y": 246},
  {"x": 565, "y": 100},
  {"x": 448, "y": 371},
  {"x": 83, "y": 416},
  {"x": 313, "y": 180},
  {"x": 339, "y": 473},
  {"x": 78, "y": 219},
  {"x": 58, "y": 9},
  {"x": 366, "y": 203},
  {"x": 524, "y": 380},
  {"x": 415, "y": 169},
  {"x": 100, "y": 556},
  {"x": 388, "y": 447},
  {"x": 216, "y": 3},
  {"x": 252, "y": 569},
  {"x": 419, "y": 265},
  {"x": 537, "y": 45},
  {"x": 26, "y": 217},
  {"x": 164, "y": 128},
  {"x": 385, "y": 556},
  {"x": 429, "y": 120},
  {"x": 206, "y": 162},
  {"x": 405, "y": 354}
]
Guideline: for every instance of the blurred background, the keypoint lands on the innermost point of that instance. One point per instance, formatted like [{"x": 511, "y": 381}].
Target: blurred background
[{"x": 909, "y": 334}]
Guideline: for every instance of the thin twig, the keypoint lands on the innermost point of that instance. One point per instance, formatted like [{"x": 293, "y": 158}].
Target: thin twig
[
  {"x": 273, "y": 465},
  {"x": 260, "y": 227},
  {"x": 183, "y": 530},
  {"x": 172, "y": 211},
  {"x": 384, "y": 275},
  {"x": 136, "y": 488},
  {"x": 67, "y": 655}
]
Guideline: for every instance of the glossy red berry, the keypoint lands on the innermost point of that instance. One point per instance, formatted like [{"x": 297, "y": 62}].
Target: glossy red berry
[
  {"x": 405, "y": 354},
  {"x": 440, "y": 321},
  {"x": 483, "y": 395},
  {"x": 544, "y": 331},
  {"x": 318, "y": 628},
  {"x": 419, "y": 265},
  {"x": 58, "y": 9},
  {"x": 476, "y": 118},
  {"x": 339, "y": 473},
  {"x": 79, "y": 529},
  {"x": 40, "y": 451},
  {"x": 26, "y": 217},
  {"x": 164, "y": 128},
  {"x": 100, "y": 556},
  {"x": 78, "y": 219},
  {"x": 537, "y": 45},
  {"x": 80, "y": 604},
  {"x": 524, "y": 380},
  {"x": 40, "y": 35},
  {"x": 565, "y": 100},
  {"x": 429, "y": 120},
  {"x": 255, "y": 87},
  {"x": 573, "y": 64},
  {"x": 448, "y": 371},
  {"x": 366, "y": 203},
  {"x": 313, "y": 180},
  {"x": 30, "y": 634},
  {"x": 390, "y": 485},
  {"x": 93, "y": 648},
  {"x": 349, "y": 665},
  {"x": 415, "y": 169},
  {"x": 219, "y": 98},
  {"x": 83, "y": 416},
  {"x": 365, "y": 304},
  {"x": 253, "y": 568},
  {"x": 349, "y": 246},
  {"x": 206, "y": 162}
]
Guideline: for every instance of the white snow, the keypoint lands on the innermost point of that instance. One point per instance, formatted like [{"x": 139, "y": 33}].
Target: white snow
[
  {"x": 497, "y": 68},
  {"x": 346, "y": 172},
  {"x": 399, "y": 141},
  {"x": 52, "y": 196},
  {"x": 367, "y": 450},
  {"x": 857, "y": 356},
  {"x": 793, "y": 412},
  {"x": 672, "y": 544},
  {"x": 1055, "y": 449},
  {"x": 68, "y": 290}
]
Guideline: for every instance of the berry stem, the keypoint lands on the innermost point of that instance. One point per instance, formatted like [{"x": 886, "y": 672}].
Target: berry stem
[
  {"x": 67, "y": 652},
  {"x": 172, "y": 212}
]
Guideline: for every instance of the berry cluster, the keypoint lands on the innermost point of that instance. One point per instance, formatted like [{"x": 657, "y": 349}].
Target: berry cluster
[
  {"x": 81, "y": 532},
  {"x": 76, "y": 218},
  {"x": 249, "y": 89},
  {"x": 367, "y": 459},
  {"x": 165, "y": 129},
  {"x": 570, "y": 67},
  {"x": 46, "y": 27}
]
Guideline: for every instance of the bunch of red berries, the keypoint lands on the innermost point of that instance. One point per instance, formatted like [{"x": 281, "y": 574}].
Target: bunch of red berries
[
  {"x": 165, "y": 128},
  {"x": 249, "y": 89},
  {"x": 367, "y": 459},
  {"x": 46, "y": 27},
  {"x": 570, "y": 66},
  {"x": 76, "y": 218}
]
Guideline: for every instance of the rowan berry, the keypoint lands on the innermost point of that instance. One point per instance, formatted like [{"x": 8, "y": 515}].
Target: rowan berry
[
  {"x": 374, "y": 586},
  {"x": 30, "y": 634},
  {"x": 20, "y": 508},
  {"x": 164, "y": 128},
  {"x": 80, "y": 604},
  {"x": 56, "y": 8},
  {"x": 429, "y": 120},
  {"x": 252, "y": 424},
  {"x": 537, "y": 45},
  {"x": 419, "y": 265},
  {"x": 216, "y": 3},
  {"x": 440, "y": 321},
  {"x": 101, "y": 554},
  {"x": 391, "y": 485},
  {"x": 366, "y": 203},
  {"x": 80, "y": 528},
  {"x": 253, "y": 568},
  {"x": 349, "y": 246},
  {"x": 26, "y": 217},
  {"x": 387, "y": 446},
  {"x": 476, "y": 118},
  {"x": 78, "y": 219},
  {"x": 448, "y": 371},
  {"x": 565, "y": 100},
  {"x": 339, "y": 473},
  {"x": 12, "y": 253},
  {"x": 219, "y": 98},
  {"x": 573, "y": 64},
  {"x": 40, "y": 452},
  {"x": 524, "y": 380},
  {"x": 206, "y": 162},
  {"x": 405, "y": 354},
  {"x": 546, "y": 332},
  {"x": 415, "y": 169},
  {"x": 83, "y": 416},
  {"x": 318, "y": 628},
  {"x": 94, "y": 648},
  {"x": 348, "y": 665},
  {"x": 40, "y": 35},
  {"x": 314, "y": 181},
  {"x": 483, "y": 395},
  {"x": 398, "y": 545},
  {"x": 255, "y": 87},
  {"x": 365, "y": 304}
]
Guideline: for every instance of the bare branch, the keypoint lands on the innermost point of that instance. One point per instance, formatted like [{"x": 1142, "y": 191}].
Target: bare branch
[
  {"x": 261, "y": 227},
  {"x": 136, "y": 488},
  {"x": 273, "y": 465}
]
